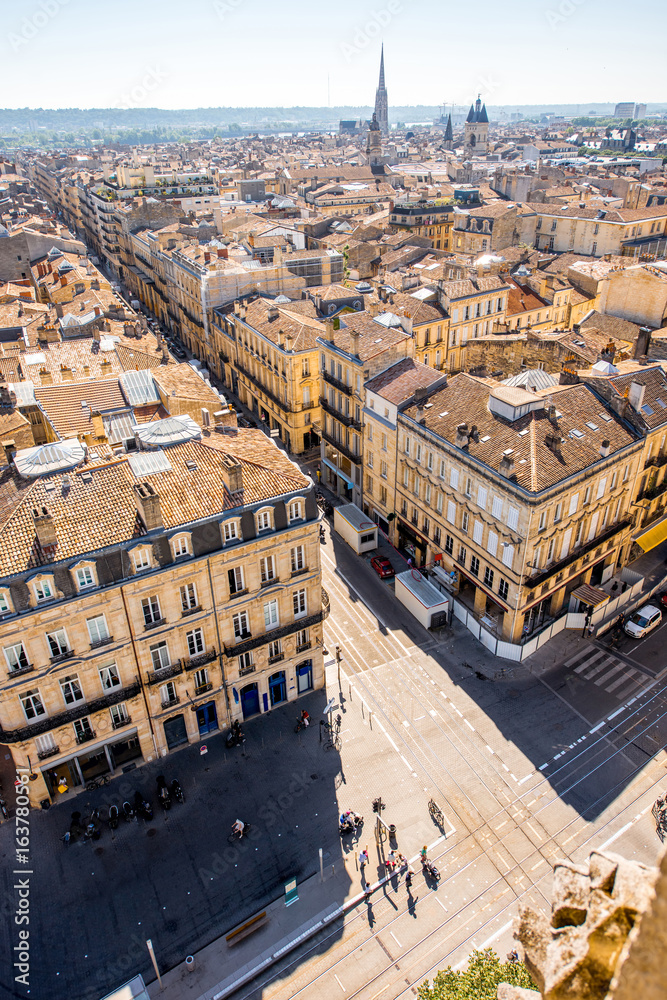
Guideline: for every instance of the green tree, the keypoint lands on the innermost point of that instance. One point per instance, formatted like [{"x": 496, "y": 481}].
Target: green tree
[{"x": 479, "y": 981}]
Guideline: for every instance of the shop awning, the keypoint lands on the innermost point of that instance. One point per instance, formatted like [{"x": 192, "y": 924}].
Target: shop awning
[
  {"x": 590, "y": 595},
  {"x": 346, "y": 479},
  {"x": 652, "y": 534}
]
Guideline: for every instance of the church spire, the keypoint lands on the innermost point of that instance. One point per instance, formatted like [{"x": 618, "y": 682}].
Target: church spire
[{"x": 381, "y": 99}]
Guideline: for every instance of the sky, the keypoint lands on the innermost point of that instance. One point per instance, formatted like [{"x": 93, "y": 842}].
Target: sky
[{"x": 245, "y": 53}]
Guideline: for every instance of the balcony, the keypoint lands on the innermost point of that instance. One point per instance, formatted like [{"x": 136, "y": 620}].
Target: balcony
[
  {"x": 340, "y": 447},
  {"x": 559, "y": 567},
  {"x": 119, "y": 723},
  {"x": 303, "y": 647},
  {"x": 18, "y": 671},
  {"x": 104, "y": 641},
  {"x": 280, "y": 633},
  {"x": 154, "y": 624},
  {"x": 85, "y": 737},
  {"x": 249, "y": 669},
  {"x": 45, "y": 754},
  {"x": 200, "y": 660},
  {"x": 277, "y": 658},
  {"x": 337, "y": 415},
  {"x": 203, "y": 688},
  {"x": 190, "y": 611},
  {"x": 164, "y": 673},
  {"x": 169, "y": 702},
  {"x": 656, "y": 462},
  {"x": 66, "y": 654},
  {"x": 336, "y": 383}
]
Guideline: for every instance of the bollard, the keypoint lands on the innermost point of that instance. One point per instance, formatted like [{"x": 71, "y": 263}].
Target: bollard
[
  {"x": 333, "y": 870},
  {"x": 190, "y": 963},
  {"x": 370, "y": 720},
  {"x": 321, "y": 867}
]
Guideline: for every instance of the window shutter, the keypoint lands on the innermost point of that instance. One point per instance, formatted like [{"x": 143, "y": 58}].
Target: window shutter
[
  {"x": 513, "y": 518},
  {"x": 602, "y": 485},
  {"x": 594, "y": 525},
  {"x": 497, "y": 509},
  {"x": 454, "y": 478},
  {"x": 508, "y": 555},
  {"x": 451, "y": 512},
  {"x": 574, "y": 503},
  {"x": 481, "y": 497},
  {"x": 492, "y": 543},
  {"x": 477, "y": 532},
  {"x": 565, "y": 547}
]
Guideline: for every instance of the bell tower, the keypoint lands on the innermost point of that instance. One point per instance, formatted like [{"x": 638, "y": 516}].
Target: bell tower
[{"x": 477, "y": 129}]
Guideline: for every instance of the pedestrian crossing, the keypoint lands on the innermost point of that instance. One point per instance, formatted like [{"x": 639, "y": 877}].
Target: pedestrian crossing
[{"x": 608, "y": 672}]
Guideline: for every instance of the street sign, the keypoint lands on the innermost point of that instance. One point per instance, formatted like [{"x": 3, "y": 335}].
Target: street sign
[
  {"x": 291, "y": 892},
  {"x": 203, "y": 749},
  {"x": 331, "y": 704}
]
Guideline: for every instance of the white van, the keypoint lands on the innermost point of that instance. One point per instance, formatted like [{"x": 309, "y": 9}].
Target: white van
[{"x": 643, "y": 621}]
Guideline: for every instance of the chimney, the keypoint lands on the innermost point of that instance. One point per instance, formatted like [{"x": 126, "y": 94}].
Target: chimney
[
  {"x": 205, "y": 417},
  {"x": 636, "y": 395},
  {"x": 148, "y": 505},
  {"x": 44, "y": 527},
  {"x": 226, "y": 421},
  {"x": 329, "y": 327},
  {"x": 10, "y": 450},
  {"x": 420, "y": 395},
  {"x": 60, "y": 312},
  {"x": 553, "y": 442},
  {"x": 354, "y": 343},
  {"x": 66, "y": 374},
  {"x": 643, "y": 342},
  {"x": 207, "y": 257},
  {"x": 461, "y": 436},
  {"x": 506, "y": 468},
  {"x": 605, "y": 448},
  {"x": 272, "y": 313},
  {"x": 232, "y": 473},
  {"x": 45, "y": 377},
  {"x": 374, "y": 309}
]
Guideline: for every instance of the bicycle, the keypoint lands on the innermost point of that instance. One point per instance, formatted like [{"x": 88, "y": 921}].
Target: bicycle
[
  {"x": 332, "y": 729},
  {"x": 436, "y": 813},
  {"x": 100, "y": 782}
]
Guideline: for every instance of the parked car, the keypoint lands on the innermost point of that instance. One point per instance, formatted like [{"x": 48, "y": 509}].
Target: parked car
[
  {"x": 179, "y": 352},
  {"x": 643, "y": 621},
  {"x": 663, "y": 599},
  {"x": 382, "y": 567}
]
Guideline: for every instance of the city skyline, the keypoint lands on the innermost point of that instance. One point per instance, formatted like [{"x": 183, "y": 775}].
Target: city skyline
[{"x": 150, "y": 54}]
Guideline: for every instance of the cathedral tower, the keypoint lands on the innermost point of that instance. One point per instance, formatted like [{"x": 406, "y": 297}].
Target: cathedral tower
[
  {"x": 381, "y": 100},
  {"x": 477, "y": 129}
]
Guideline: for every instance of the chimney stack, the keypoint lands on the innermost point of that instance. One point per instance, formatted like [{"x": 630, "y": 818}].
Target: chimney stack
[
  {"x": 232, "y": 473},
  {"x": 354, "y": 343},
  {"x": 10, "y": 450},
  {"x": 643, "y": 342},
  {"x": 636, "y": 395},
  {"x": 44, "y": 527},
  {"x": 272, "y": 313},
  {"x": 461, "y": 436},
  {"x": 553, "y": 442},
  {"x": 148, "y": 505},
  {"x": 506, "y": 466},
  {"x": 605, "y": 448}
]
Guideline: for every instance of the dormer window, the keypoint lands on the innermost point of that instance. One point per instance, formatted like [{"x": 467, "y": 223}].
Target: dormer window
[
  {"x": 5, "y": 602},
  {"x": 181, "y": 546},
  {"x": 296, "y": 511},
  {"x": 43, "y": 588},
  {"x": 231, "y": 531},
  {"x": 141, "y": 558},
  {"x": 84, "y": 575},
  {"x": 264, "y": 519}
]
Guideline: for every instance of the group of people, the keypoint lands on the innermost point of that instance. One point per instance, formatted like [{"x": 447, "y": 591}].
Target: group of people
[{"x": 394, "y": 860}]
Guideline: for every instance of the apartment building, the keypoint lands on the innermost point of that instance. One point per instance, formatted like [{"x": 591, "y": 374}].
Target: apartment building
[
  {"x": 356, "y": 347},
  {"x": 487, "y": 229},
  {"x": 523, "y": 502},
  {"x": 473, "y": 306},
  {"x": 595, "y": 232},
  {"x": 150, "y": 598},
  {"x": 403, "y": 382},
  {"x": 433, "y": 219},
  {"x": 269, "y": 358}
]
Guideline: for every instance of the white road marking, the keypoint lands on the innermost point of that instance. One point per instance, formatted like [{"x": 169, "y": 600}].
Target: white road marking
[
  {"x": 489, "y": 748},
  {"x": 617, "y": 712},
  {"x": 495, "y": 936},
  {"x": 468, "y": 724},
  {"x": 615, "y": 837},
  {"x": 396, "y": 939},
  {"x": 339, "y": 983},
  {"x": 530, "y": 827}
]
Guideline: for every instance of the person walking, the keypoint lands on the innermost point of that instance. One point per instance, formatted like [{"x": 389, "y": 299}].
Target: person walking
[
  {"x": 423, "y": 853},
  {"x": 408, "y": 878},
  {"x": 363, "y": 861}
]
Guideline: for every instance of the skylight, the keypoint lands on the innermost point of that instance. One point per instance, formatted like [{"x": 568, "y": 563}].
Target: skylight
[
  {"x": 605, "y": 417},
  {"x": 523, "y": 432},
  {"x": 444, "y": 413},
  {"x": 487, "y": 437},
  {"x": 647, "y": 409},
  {"x": 593, "y": 427},
  {"x": 660, "y": 402},
  {"x": 575, "y": 433}
]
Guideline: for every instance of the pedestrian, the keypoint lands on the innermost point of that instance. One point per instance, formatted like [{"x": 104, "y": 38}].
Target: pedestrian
[
  {"x": 319, "y": 475},
  {"x": 363, "y": 861},
  {"x": 408, "y": 878},
  {"x": 424, "y": 852},
  {"x": 410, "y": 562},
  {"x": 402, "y": 860},
  {"x": 62, "y": 785},
  {"x": 390, "y": 863}
]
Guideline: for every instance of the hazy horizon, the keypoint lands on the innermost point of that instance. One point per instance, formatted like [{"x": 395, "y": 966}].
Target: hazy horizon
[{"x": 234, "y": 54}]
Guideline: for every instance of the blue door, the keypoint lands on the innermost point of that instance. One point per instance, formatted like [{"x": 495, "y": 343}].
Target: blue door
[
  {"x": 304, "y": 676},
  {"x": 207, "y": 718},
  {"x": 250, "y": 700},
  {"x": 277, "y": 688}
]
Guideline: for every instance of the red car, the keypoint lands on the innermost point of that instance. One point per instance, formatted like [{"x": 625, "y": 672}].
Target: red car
[
  {"x": 663, "y": 599},
  {"x": 382, "y": 567}
]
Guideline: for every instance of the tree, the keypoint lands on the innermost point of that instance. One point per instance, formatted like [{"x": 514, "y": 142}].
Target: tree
[{"x": 479, "y": 981}]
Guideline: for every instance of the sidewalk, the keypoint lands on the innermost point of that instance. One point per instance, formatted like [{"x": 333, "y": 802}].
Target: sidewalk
[{"x": 219, "y": 970}]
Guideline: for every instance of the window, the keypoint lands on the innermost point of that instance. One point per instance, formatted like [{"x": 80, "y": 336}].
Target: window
[
  {"x": 97, "y": 630},
  {"x": 462, "y": 555},
  {"x": 5, "y": 604},
  {"x": 71, "y": 689},
  {"x": 574, "y": 503},
  {"x": 626, "y": 473},
  {"x": 558, "y": 513},
  {"x": 241, "y": 625},
  {"x": 474, "y": 565},
  {"x": 16, "y": 656},
  {"x": 271, "y": 614},
  {"x": 587, "y": 495},
  {"x": 58, "y": 643},
  {"x": 497, "y": 507},
  {"x": 492, "y": 543},
  {"x": 465, "y": 519},
  {"x": 141, "y": 559},
  {"x": 302, "y": 639},
  {"x": 296, "y": 511},
  {"x": 109, "y": 676},
  {"x": 119, "y": 716},
  {"x": 543, "y": 521},
  {"x": 369, "y": 460},
  {"x": 503, "y": 589},
  {"x": 43, "y": 590},
  {"x": 384, "y": 442},
  {"x": 602, "y": 485},
  {"x": 181, "y": 546},
  {"x": 383, "y": 470},
  {"x": 195, "y": 640},
  {"x": 168, "y": 695},
  {"x": 454, "y": 478},
  {"x": 418, "y": 453},
  {"x": 477, "y": 532},
  {"x": 297, "y": 557},
  {"x": 612, "y": 485},
  {"x": 488, "y": 577},
  {"x": 508, "y": 555},
  {"x": 407, "y": 446},
  {"x": 267, "y": 569},
  {"x": 436, "y": 535},
  {"x": 230, "y": 530},
  {"x": 236, "y": 581},
  {"x": 550, "y": 550},
  {"x": 246, "y": 666},
  {"x": 594, "y": 248},
  {"x": 160, "y": 655},
  {"x": 405, "y": 475},
  {"x": 46, "y": 745},
  {"x": 84, "y": 577},
  {"x": 275, "y": 651},
  {"x": 451, "y": 512},
  {"x": 449, "y": 544},
  {"x": 188, "y": 597},
  {"x": 263, "y": 520},
  {"x": 32, "y": 704},
  {"x": 481, "y": 497},
  {"x": 305, "y": 368},
  {"x": 151, "y": 609},
  {"x": 299, "y": 602}
]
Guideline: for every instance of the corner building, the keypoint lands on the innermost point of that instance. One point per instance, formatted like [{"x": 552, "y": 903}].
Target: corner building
[{"x": 150, "y": 599}]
